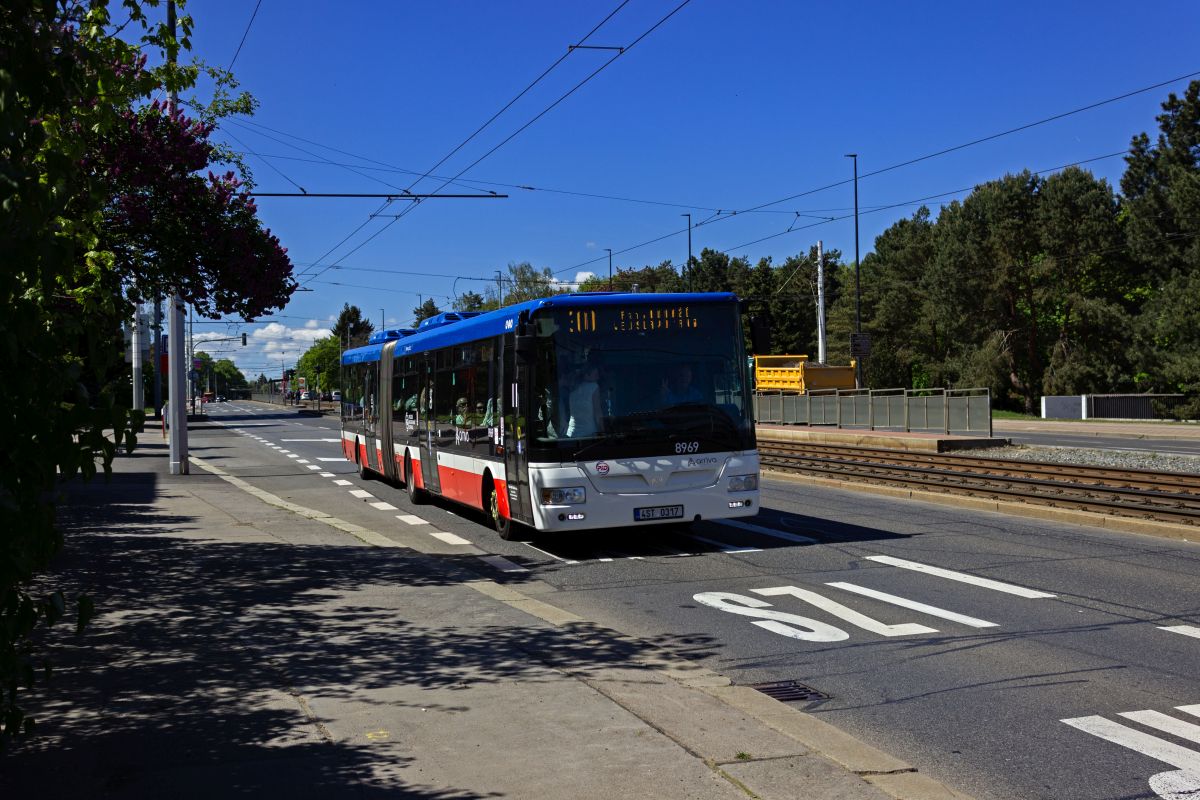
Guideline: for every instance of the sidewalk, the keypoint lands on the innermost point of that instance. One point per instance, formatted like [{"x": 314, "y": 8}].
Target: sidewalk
[{"x": 245, "y": 650}]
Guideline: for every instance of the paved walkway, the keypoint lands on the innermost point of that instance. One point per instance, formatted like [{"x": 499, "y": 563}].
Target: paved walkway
[{"x": 246, "y": 650}]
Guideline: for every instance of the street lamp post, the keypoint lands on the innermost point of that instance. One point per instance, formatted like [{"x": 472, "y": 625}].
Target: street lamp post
[
  {"x": 688, "y": 266},
  {"x": 857, "y": 287},
  {"x": 609, "y": 249}
]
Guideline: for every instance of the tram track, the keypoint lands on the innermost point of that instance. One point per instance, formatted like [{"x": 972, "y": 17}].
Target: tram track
[{"x": 1143, "y": 494}]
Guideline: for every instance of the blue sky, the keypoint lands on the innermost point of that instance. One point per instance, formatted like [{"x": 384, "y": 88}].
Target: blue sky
[{"x": 724, "y": 106}]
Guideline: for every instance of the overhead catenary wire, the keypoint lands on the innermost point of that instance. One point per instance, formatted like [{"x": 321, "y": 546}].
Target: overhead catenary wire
[{"x": 249, "y": 24}]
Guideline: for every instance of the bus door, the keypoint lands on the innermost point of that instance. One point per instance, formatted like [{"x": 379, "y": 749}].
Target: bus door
[
  {"x": 428, "y": 423},
  {"x": 515, "y": 380},
  {"x": 387, "y": 446}
]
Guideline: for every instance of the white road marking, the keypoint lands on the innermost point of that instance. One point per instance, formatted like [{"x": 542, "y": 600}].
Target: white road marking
[
  {"x": 848, "y": 614},
  {"x": 342, "y": 483},
  {"x": 310, "y": 466},
  {"x": 552, "y": 555},
  {"x": 1193, "y": 710},
  {"x": 1186, "y": 630},
  {"x": 789, "y": 537},
  {"x": 382, "y": 506},
  {"x": 962, "y": 577},
  {"x": 502, "y": 564},
  {"x": 325, "y": 474},
  {"x": 904, "y": 602},
  {"x": 310, "y": 440},
  {"x": 304, "y": 461},
  {"x": 1144, "y": 743},
  {"x": 292, "y": 455},
  {"x": 448, "y": 538},
  {"x": 361, "y": 493},
  {"x": 411, "y": 519},
  {"x": 725, "y": 548},
  {"x": 331, "y": 459},
  {"x": 1160, "y": 721}
]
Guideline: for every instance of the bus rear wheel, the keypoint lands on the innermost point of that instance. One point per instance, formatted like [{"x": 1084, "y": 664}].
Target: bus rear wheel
[{"x": 415, "y": 496}]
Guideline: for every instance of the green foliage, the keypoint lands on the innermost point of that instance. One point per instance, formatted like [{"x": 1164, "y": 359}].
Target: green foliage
[
  {"x": 68, "y": 128},
  {"x": 320, "y": 364},
  {"x": 351, "y": 329},
  {"x": 424, "y": 311}
]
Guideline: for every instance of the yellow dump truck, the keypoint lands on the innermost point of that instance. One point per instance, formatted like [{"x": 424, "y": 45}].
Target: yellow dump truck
[{"x": 795, "y": 374}]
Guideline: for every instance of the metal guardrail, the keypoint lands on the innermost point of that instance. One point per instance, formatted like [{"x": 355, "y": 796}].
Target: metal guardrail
[{"x": 958, "y": 411}]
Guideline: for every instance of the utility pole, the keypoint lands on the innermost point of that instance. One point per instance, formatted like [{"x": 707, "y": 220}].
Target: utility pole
[
  {"x": 688, "y": 265},
  {"x": 857, "y": 287},
  {"x": 135, "y": 342},
  {"x": 192, "y": 356},
  {"x": 158, "y": 386},
  {"x": 178, "y": 422},
  {"x": 382, "y": 320},
  {"x": 609, "y": 249},
  {"x": 820, "y": 303}
]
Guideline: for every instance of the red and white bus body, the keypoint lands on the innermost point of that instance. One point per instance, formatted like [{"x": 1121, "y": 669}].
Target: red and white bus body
[{"x": 469, "y": 403}]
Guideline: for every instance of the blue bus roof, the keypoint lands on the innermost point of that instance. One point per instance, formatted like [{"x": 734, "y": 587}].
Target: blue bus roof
[{"x": 504, "y": 320}]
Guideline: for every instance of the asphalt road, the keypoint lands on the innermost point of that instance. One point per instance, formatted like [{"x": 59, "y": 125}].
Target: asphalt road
[{"x": 1072, "y": 672}]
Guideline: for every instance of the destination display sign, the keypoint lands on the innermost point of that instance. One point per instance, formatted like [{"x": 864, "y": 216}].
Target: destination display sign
[{"x": 632, "y": 319}]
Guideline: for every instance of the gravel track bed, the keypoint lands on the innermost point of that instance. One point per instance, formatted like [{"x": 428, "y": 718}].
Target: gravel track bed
[{"x": 1117, "y": 459}]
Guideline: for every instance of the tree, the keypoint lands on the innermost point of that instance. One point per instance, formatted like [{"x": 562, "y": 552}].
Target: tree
[
  {"x": 426, "y": 310},
  {"x": 321, "y": 364},
  {"x": 470, "y": 301},
  {"x": 79, "y": 182},
  {"x": 351, "y": 329},
  {"x": 526, "y": 282}
]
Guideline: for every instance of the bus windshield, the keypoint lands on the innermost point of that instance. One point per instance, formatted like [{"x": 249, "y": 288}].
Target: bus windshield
[{"x": 640, "y": 379}]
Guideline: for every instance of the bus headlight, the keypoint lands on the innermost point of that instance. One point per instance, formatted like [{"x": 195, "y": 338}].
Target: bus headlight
[
  {"x": 563, "y": 496},
  {"x": 743, "y": 483}
]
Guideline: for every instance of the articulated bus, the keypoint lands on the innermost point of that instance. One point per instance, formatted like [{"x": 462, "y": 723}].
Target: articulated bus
[{"x": 570, "y": 412}]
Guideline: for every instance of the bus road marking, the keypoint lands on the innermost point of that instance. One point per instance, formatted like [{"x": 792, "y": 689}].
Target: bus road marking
[
  {"x": 962, "y": 577},
  {"x": 1176, "y": 755},
  {"x": 725, "y": 548},
  {"x": 787, "y": 537},
  {"x": 448, "y": 538},
  {"x": 1186, "y": 630},
  {"x": 502, "y": 564},
  {"x": 362, "y": 494},
  {"x": 904, "y": 602},
  {"x": 552, "y": 555}
]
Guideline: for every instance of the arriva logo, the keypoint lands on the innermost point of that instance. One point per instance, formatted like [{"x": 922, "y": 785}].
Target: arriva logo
[{"x": 705, "y": 461}]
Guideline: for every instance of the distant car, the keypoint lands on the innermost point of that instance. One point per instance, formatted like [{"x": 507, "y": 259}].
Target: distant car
[
  {"x": 337, "y": 397},
  {"x": 221, "y": 398}
]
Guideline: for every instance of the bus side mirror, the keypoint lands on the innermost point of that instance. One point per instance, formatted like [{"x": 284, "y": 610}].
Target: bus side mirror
[
  {"x": 524, "y": 345},
  {"x": 760, "y": 335}
]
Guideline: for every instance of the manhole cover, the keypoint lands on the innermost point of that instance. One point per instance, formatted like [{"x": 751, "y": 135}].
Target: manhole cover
[{"x": 789, "y": 691}]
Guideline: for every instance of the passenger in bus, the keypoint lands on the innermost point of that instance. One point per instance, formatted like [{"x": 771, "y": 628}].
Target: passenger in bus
[
  {"x": 462, "y": 413},
  {"x": 585, "y": 404},
  {"x": 677, "y": 387}
]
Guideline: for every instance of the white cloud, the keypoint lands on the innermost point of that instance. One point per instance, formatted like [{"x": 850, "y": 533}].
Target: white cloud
[{"x": 590, "y": 245}]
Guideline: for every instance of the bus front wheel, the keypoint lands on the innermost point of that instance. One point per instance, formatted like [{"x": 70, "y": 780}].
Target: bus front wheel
[{"x": 503, "y": 525}]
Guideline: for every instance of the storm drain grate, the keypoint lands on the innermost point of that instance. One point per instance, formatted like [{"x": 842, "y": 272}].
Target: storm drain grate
[{"x": 789, "y": 691}]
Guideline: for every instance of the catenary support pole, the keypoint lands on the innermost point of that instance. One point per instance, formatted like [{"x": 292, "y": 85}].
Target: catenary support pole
[
  {"x": 136, "y": 344},
  {"x": 820, "y": 303},
  {"x": 177, "y": 388}
]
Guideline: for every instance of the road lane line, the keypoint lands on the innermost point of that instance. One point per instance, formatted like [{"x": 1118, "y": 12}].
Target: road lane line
[
  {"x": 502, "y": 564},
  {"x": 1186, "y": 630},
  {"x": 305, "y": 461},
  {"x": 331, "y": 459},
  {"x": 723, "y": 547},
  {"x": 310, "y": 440},
  {"x": 342, "y": 483},
  {"x": 382, "y": 506},
  {"x": 325, "y": 474},
  {"x": 962, "y": 577},
  {"x": 411, "y": 519},
  {"x": 904, "y": 602},
  {"x": 789, "y": 537},
  {"x": 292, "y": 455},
  {"x": 1144, "y": 743},
  {"x": 361, "y": 493},
  {"x": 1166, "y": 724},
  {"x": 1193, "y": 710},
  {"x": 312, "y": 466},
  {"x": 448, "y": 538}
]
